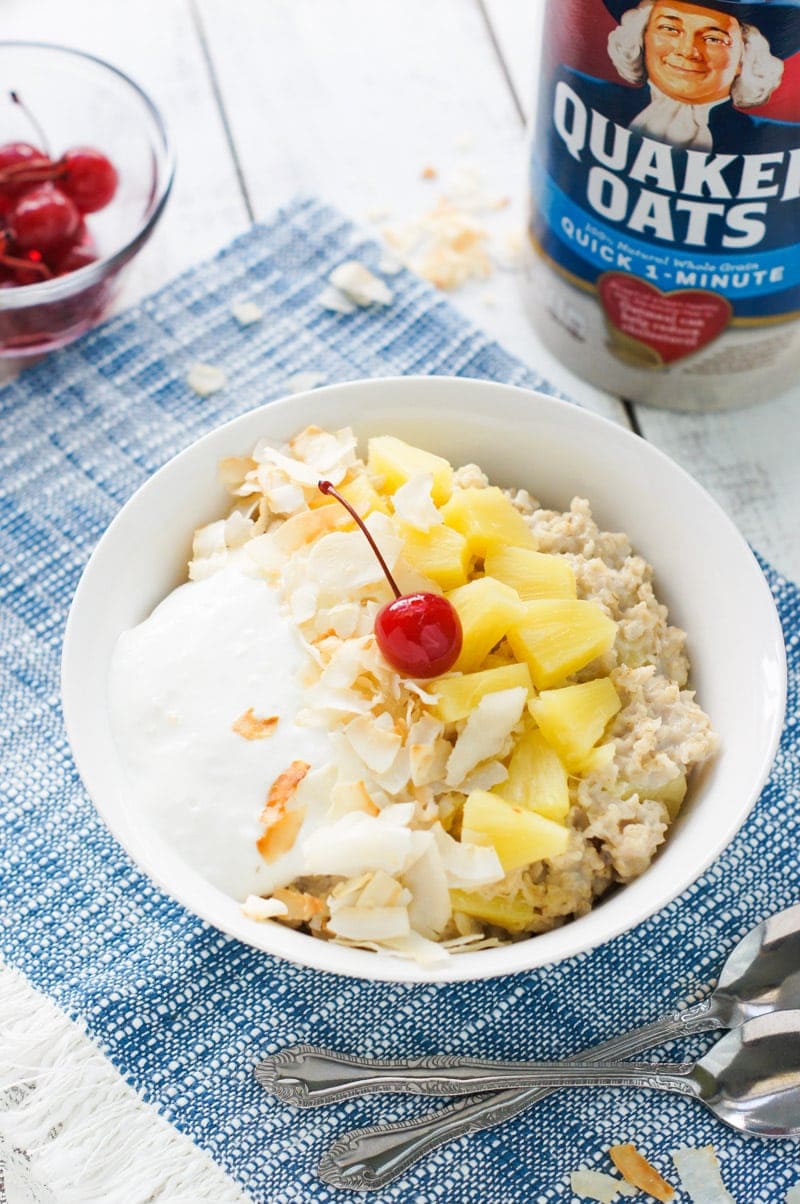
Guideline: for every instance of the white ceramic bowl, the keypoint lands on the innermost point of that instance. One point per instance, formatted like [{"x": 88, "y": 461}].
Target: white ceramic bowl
[{"x": 705, "y": 573}]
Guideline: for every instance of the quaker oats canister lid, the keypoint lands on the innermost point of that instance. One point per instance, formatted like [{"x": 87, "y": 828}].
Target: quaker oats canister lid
[{"x": 777, "y": 20}]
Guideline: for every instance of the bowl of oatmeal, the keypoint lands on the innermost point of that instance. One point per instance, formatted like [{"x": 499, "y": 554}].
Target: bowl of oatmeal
[{"x": 606, "y": 724}]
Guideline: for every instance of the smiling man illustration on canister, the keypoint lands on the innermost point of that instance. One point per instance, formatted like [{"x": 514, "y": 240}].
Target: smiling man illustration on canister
[{"x": 702, "y": 63}]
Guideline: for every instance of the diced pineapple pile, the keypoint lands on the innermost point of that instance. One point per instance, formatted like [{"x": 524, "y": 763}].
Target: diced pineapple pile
[{"x": 484, "y": 760}]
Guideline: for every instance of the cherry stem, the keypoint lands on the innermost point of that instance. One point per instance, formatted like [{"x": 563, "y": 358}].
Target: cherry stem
[
  {"x": 40, "y": 134},
  {"x": 29, "y": 265},
  {"x": 327, "y": 487},
  {"x": 33, "y": 172}
]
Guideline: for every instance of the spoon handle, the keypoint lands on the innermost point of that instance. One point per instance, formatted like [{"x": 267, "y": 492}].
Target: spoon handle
[{"x": 369, "y": 1158}]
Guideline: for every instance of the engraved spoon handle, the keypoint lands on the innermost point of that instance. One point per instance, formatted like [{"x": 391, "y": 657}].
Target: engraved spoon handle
[
  {"x": 309, "y": 1075},
  {"x": 369, "y": 1158}
]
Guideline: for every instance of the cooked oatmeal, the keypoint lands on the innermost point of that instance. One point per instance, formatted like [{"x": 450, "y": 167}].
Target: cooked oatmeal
[{"x": 495, "y": 802}]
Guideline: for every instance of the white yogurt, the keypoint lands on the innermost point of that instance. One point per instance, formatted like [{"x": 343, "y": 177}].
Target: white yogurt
[{"x": 212, "y": 649}]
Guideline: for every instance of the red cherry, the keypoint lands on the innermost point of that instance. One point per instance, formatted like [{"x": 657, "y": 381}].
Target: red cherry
[
  {"x": 419, "y": 634},
  {"x": 44, "y": 218},
  {"x": 19, "y": 157},
  {"x": 73, "y": 255},
  {"x": 89, "y": 178},
  {"x": 74, "y": 258}
]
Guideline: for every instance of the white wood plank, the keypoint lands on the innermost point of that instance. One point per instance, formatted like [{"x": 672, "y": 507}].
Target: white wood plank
[
  {"x": 352, "y": 100},
  {"x": 156, "y": 42},
  {"x": 518, "y": 27},
  {"x": 748, "y": 460}
]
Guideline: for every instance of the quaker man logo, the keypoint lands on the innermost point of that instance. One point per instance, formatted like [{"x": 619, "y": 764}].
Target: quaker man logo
[{"x": 695, "y": 57}]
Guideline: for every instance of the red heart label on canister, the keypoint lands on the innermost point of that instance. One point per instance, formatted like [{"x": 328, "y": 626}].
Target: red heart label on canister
[{"x": 649, "y": 328}]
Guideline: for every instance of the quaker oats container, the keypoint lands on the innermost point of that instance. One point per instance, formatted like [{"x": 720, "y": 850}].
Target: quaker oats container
[{"x": 664, "y": 217}]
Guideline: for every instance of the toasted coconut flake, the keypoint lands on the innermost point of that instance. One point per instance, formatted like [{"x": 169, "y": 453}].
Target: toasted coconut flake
[
  {"x": 233, "y": 471},
  {"x": 359, "y": 284},
  {"x": 286, "y": 499},
  {"x": 350, "y": 796},
  {"x": 209, "y": 540},
  {"x": 256, "y": 908},
  {"x": 428, "y": 762},
  {"x": 238, "y": 529},
  {"x": 635, "y": 1168},
  {"x": 295, "y": 470},
  {"x": 357, "y": 844},
  {"x": 467, "y": 866},
  {"x": 254, "y": 727},
  {"x": 199, "y": 570},
  {"x": 323, "y": 450},
  {"x": 418, "y": 948},
  {"x": 265, "y": 556},
  {"x": 304, "y": 528},
  {"x": 304, "y": 382},
  {"x": 370, "y": 923},
  {"x": 346, "y": 665},
  {"x": 281, "y": 834},
  {"x": 700, "y": 1175},
  {"x": 375, "y": 741},
  {"x": 413, "y": 503},
  {"x": 399, "y": 814},
  {"x": 397, "y": 779},
  {"x": 331, "y": 298},
  {"x": 246, "y": 312},
  {"x": 594, "y": 1185},
  {"x": 346, "y": 556},
  {"x": 485, "y": 732},
  {"x": 303, "y": 602},
  {"x": 490, "y": 774},
  {"x": 430, "y": 909},
  {"x": 281, "y": 791},
  {"x": 346, "y": 893},
  {"x": 299, "y": 906},
  {"x": 382, "y": 890},
  {"x": 205, "y": 379}
]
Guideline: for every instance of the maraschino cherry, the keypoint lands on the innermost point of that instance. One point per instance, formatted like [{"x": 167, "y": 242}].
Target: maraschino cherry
[
  {"x": 42, "y": 204},
  {"x": 419, "y": 634}
]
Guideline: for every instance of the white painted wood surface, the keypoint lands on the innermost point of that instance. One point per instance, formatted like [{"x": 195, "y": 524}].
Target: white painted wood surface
[{"x": 350, "y": 100}]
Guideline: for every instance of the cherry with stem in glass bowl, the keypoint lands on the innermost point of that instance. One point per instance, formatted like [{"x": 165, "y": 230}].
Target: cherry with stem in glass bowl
[{"x": 419, "y": 634}]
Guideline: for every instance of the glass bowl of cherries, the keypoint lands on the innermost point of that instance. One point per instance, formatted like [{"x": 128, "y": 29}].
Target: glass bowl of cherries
[{"x": 86, "y": 167}]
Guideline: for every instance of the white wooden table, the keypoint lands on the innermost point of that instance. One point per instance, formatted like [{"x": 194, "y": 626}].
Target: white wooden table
[{"x": 350, "y": 100}]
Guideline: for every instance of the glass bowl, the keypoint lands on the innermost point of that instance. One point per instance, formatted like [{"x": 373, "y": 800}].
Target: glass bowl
[{"x": 80, "y": 100}]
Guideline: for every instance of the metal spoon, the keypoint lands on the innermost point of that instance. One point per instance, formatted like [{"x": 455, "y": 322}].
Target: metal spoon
[
  {"x": 761, "y": 974},
  {"x": 750, "y": 1079}
]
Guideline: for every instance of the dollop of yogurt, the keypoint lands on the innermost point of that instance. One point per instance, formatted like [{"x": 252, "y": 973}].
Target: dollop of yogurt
[{"x": 213, "y": 649}]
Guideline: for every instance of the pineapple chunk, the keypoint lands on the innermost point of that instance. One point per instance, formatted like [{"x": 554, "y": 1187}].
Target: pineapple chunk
[
  {"x": 574, "y": 718},
  {"x": 532, "y": 574},
  {"x": 559, "y": 637},
  {"x": 440, "y": 553},
  {"x": 598, "y": 758},
  {"x": 359, "y": 492},
  {"x": 396, "y": 462},
  {"x": 458, "y": 696},
  {"x": 363, "y": 496},
  {"x": 488, "y": 520},
  {"x": 517, "y": 835},
  {"x": 536, "y": 778},
  {"x": 671, "y": 794},
  {"x": 512, "y": 912},
  {"x": 487, "y": 609}
]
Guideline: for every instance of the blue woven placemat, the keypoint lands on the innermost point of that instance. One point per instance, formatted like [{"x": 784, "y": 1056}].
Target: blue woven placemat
[{"x": 183, "y": 1011}]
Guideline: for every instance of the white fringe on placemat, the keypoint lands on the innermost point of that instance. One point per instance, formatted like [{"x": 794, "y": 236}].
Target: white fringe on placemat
[{"x": 71, "y": 1129}]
